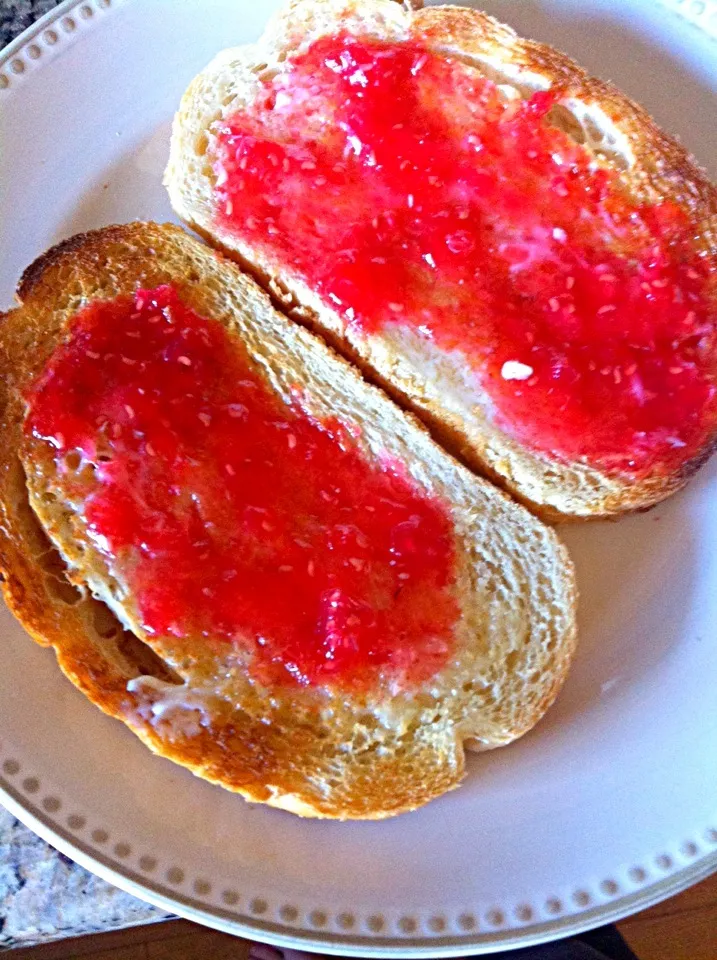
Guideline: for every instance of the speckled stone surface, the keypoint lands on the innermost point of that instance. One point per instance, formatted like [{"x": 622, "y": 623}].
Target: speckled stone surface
[
  {"x": 16, "y": 15},
  {"x": 44, "y": 895}
]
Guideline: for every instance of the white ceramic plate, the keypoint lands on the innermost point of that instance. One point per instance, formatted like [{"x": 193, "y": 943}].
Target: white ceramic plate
[{"x": 607, "y": 807}]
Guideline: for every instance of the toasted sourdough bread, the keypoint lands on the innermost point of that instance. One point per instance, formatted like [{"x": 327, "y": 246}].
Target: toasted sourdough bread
[
  {"x": 311, "y": 751},
  {"x": 429, "y": 381}
]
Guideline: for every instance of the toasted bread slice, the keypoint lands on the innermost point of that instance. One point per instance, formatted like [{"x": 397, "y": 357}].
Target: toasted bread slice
[
  {"x": 615, "y": 136},
  {"x": 366, "y": 751}
]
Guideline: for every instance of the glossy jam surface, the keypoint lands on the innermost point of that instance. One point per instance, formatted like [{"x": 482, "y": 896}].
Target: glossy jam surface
[
  {"x": 407, "y": 191},
  {"x": 235, "y": 517}
]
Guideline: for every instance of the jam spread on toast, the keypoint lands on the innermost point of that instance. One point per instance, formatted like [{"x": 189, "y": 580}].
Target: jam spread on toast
[
  {"x": 409, "y": 192},
  {"x": 233, "y": 515}
]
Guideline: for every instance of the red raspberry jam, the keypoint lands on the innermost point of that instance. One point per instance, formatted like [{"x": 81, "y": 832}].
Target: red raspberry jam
[
  {"x": 236, "y": 517},
  {"x": 404, "y": 189}
]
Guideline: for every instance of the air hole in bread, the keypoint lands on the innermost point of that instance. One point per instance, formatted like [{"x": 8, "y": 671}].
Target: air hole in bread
[
  {"x": 61, "y": 589},
  {"x": 564, "y": 119},
  {"x": 87, "y": 473},
  {"x": 51, "y": 562},
  {"x": 267, "y": 74},
  {"x": 139, "y": 658},
  {"x": 425, "y": 699},
  {"x": 144, "y": 659},
  {"x": 511, "y": 660},
  {"x": 73, "y": 459},
  {"x": 35, "y": 539},
  {"x": 368, "y": 720},
  {"x": 115, "y": 591},
  {"x": 503, "y": 77},
  {"x": 614, "y": 158},
  {"x": 104, "y": 621},
  {"x": 201, "y": 144}
]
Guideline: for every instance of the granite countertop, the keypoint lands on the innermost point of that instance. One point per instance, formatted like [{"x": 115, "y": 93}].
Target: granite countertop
[
  {"x": 16, "y": 15},
  {"x": 43, "y": 894}
]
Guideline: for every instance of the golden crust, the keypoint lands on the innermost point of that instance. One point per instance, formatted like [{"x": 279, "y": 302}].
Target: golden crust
[
  {"x": 268, "y": 747},
  {"x": 658, "y": 168}
]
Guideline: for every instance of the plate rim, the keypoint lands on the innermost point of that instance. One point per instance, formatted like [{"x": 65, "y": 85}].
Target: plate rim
[
  {"x": 479, "y": 941},
  {"x": 346, "y": 944}
]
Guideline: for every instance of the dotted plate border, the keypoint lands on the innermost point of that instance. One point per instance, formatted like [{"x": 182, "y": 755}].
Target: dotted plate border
[
  {"x": 230, "y": 907},
  {"x": 60, "y": 26},
  {"x": 233, "y": 908}
]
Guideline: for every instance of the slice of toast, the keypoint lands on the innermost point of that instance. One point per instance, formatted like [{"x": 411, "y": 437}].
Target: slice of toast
[
  {"x": 596, "y": 437},
  {"x": 364, "y": 750}
]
